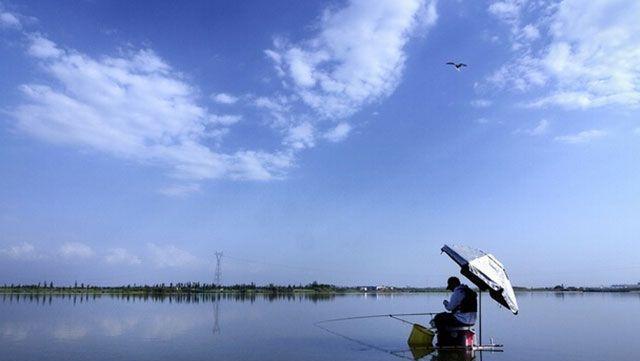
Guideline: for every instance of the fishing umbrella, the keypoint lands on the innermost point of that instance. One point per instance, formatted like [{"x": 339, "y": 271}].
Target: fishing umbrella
[{"x": 486, "y": 272}]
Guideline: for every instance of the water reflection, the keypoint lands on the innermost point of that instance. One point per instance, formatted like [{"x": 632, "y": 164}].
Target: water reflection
[
  {"x": 117, "y": 327},
  {"x": 80, "y": 298},
  {"x": 216, "y": 317},
  {"x": 14, "y": 332},
  {"x": 65, "y": 326},
  {"x": 454, "y": 355},
  {"x": 70, "y": 332},
  {"x": 429, "y": 353},
  {"x": 263, "y": 327}
]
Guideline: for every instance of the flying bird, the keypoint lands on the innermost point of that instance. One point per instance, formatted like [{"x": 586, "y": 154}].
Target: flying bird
[{"x": 458, "y": 66}]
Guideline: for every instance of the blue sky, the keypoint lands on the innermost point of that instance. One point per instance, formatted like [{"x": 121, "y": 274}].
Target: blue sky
[{"x": 318, "y": 140}]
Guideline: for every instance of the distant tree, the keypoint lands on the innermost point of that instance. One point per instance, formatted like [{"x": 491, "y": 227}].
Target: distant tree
[{"x": 75, "y": 285}]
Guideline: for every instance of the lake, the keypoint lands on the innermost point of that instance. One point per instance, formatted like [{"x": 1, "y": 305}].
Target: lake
[{"x": 550, "y": 326}]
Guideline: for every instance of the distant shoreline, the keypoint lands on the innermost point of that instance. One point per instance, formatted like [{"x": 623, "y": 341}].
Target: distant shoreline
[{"x": 274, "y": 290}]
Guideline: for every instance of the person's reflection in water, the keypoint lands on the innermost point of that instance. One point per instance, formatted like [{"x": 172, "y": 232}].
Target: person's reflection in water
[
  {"x": 421, "y": 353},
  {"x": 454, "y": 355}
]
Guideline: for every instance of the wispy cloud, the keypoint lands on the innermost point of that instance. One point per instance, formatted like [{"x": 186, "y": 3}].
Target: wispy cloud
[
  {"x": 224, "y": 98},
  {"x": 163, "y": 256},
  {"x": 22, "y": 251},
  {"x": 356, "y": 58},
  {"x": 121, "y": 256},
  {"x": 339, "y": 133},
  {"x": 589, "y": 61},
  {"x": 226, "y": 119},
  {"x": 481, "y": 103},
  {"x": 76, "y": 250},
  {"x": 541, "y": 128},
  {"x": 582, "y": 137},
  {"x": 171, "y": 256},
  {"x": 342, "y": 68},
  {"x": 180, "y": 190},
  {"x": 9, "y": 19},
  {"x": 301, "y": 136},
  {"x": 508, "y": 11},
  {"x": 136, "y": 107}
]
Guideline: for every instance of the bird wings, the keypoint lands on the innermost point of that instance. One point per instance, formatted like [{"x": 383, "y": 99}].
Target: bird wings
[{"x": 457, "y": 65}]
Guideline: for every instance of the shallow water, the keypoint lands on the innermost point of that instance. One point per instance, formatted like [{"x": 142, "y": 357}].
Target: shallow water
[{"x": 594, "y": 326}]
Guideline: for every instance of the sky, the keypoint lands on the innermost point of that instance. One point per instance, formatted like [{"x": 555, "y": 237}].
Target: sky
[{"x": 319, "y": 141}]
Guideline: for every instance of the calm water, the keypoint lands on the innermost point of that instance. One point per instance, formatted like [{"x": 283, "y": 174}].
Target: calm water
[{"x": 549, "y": 327}]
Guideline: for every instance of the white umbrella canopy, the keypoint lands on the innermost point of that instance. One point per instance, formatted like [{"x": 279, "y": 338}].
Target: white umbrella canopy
[{"x": 486, "y": 272}]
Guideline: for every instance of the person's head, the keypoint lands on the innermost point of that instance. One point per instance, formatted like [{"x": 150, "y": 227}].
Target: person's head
[{"x": 452, "y": 283}]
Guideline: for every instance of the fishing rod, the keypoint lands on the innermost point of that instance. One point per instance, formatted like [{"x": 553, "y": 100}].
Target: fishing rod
[
  {"x": 395, "y": 353},
  {"x": 398, "y": 354},
  {"x": 393, "y": 315}
]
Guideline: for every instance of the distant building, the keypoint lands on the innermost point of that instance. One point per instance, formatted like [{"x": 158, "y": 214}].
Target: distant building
[
  {"x": 367, "y": 288},
  {"x": 620, "y": 286},
  {"x": 383, "y": 288}
]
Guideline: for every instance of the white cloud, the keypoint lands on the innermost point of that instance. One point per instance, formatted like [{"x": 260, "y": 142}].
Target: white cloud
[
  {"x": 481, "y": 103},
  {"x": 541, "y": 128},
  {"x": 136, "y": 107},
  {"x": 76, "y": 250},
  {"x": 171, "y": 256},
  {"x": 41, "y": 47},
  {"x": 596, "y": 53},
  {"x": 23, "y": 251},
  {"x": 261, "y": 165},
  {"x": 226, "y": 119},
  {"x": 338, "y": 133},
  {"x": 224, "y": 98},
  {"x": 180, "y": 190},
  {"x": 591, "y": 60},
  {"x": 582, "y": 137},
  {"x": 531, "y": 32},
  {"x": 521, "y": 74},
  {"x": 9, "y": 20},
  {"x": 121, "y": 256},
  {"x": 356, "y": 57},
  {"x": 506, "y": 10},
  {"x": 567, "y": 99},
  {"x": 301, "y": 136}
]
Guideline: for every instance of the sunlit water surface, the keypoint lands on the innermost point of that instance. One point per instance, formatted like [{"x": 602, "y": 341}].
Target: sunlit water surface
[{"x": 549, "y": 327}]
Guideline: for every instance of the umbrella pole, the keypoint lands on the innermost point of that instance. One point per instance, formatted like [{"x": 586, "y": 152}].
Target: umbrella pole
[{"x": 480, "y": 316}]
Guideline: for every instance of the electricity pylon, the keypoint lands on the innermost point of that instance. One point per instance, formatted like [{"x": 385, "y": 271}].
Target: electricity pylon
[{"x": 218, "y": 276}]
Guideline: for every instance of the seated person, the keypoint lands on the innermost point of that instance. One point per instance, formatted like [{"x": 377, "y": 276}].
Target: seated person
[{"x": 462, "y": 307}]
